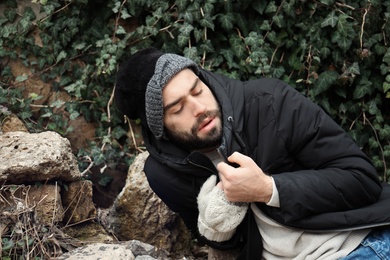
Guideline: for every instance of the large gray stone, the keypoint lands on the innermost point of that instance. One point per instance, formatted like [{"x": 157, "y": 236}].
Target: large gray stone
[
  {"x": 99, "y": 251},
  {"x": 26, "y": 157},
  {"x": 130, "y": 250},
  {"x": 139, "y": 214}
]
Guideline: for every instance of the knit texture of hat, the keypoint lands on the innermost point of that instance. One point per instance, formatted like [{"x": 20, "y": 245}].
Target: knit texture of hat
[
  {"x": 167, "y": 66},
  {"x": 131, "y": 81}
]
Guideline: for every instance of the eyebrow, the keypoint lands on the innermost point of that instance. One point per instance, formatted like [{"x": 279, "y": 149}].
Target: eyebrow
[{"x": 173, "y": 103}]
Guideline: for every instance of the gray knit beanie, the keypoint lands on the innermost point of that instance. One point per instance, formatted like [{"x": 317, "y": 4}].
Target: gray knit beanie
[{"x": 167, "y": 66}]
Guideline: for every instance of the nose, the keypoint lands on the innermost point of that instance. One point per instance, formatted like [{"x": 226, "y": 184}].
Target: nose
[{"x": 198, "y": 107}]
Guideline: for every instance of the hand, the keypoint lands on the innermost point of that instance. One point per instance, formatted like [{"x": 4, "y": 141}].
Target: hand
[{"x": 247, "y": 183}]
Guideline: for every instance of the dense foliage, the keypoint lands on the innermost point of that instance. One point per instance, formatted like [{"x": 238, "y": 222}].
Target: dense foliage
[{"x": 335, "y": 52}]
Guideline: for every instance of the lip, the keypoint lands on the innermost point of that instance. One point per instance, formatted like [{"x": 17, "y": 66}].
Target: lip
[{"x": 204, "y": 125}]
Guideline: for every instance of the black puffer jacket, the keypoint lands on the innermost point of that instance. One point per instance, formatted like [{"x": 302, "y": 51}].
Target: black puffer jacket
[{"x": 324, "y": 180}]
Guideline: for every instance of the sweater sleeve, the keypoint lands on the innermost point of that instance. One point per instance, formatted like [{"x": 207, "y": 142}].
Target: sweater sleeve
[
  {"x": 274, "y": 201},
  {"x": 333, "y": 173}
]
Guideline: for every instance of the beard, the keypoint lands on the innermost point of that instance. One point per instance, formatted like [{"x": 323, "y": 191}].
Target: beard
[{"x": 191, "y": 140}]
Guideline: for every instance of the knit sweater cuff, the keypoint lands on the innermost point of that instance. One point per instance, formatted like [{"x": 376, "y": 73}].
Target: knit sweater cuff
[{"x": 212, "y": 234}]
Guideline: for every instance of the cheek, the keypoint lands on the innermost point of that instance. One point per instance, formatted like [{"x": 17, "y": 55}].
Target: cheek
[
  {"x": 178, "y": 123},
  {"x": 173, "y": 123}
]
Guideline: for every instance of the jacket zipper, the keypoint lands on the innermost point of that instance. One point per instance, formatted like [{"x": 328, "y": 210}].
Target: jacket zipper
[{"x": 200, "y": 166}]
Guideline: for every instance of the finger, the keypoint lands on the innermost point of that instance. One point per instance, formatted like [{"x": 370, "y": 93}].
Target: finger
[
  {"x": 224, "y": 169},
  {"x": 238, "y": 158}
]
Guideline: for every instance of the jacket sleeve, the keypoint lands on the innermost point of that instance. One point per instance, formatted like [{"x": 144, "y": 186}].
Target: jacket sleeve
[{"x": 333, "y": 173}]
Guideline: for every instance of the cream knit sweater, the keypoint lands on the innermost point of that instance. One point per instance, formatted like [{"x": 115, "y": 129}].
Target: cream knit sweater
[{"x": 280, "y": 242}]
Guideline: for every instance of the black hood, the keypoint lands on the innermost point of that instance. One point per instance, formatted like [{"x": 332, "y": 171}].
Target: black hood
[{"x": 229, "y": 94}]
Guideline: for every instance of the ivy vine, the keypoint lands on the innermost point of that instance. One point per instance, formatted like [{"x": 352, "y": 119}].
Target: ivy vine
[{"x": 335, "y": 52}]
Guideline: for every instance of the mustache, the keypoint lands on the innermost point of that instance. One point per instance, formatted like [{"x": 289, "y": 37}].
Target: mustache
[{"x": 201, "y": 118}]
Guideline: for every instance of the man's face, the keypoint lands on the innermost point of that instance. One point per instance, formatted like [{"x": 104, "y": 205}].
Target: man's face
[{"x": 192, "y": 117}]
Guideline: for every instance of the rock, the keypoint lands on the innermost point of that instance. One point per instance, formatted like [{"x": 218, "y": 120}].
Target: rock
[
  {"x": 78, "y": 202},
  {"x": 13, "y": 124},
  {"x": 47, "y": 201},
  {"x": 140, "y": 249},
  {"x": 128, "y": 250},
  {"x": 26, "y": 157},
  {"x": 99, "y": 251},
  {"x": 139, "y": 214},
  {"x": 89, "y": 231}
]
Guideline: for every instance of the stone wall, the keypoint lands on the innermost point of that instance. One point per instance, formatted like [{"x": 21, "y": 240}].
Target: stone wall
[{"x": 44, "y": 193}]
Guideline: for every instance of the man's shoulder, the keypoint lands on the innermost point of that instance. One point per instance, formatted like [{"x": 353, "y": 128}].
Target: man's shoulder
[{"x": 267, "y": 85}]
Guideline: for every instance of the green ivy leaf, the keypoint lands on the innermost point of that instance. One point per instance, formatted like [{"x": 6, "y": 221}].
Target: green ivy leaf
[
  {"x": 118, "y": 132},
  {"x": 327, "y": 2},
  {"x": 252, "y": 39},
  {"x": 10, "y": 14},
  {"x": 354, "y": 69},
  {"x": 265, "y": 26},
  {"x": 8, "y": 30},
  {"x": 208, "y": 7},
  {"x": 188, "y": 16},
  {"x": 341, "y": 92},
  {"x": 182, "y": 40},
  {"x": 57, "y": 103},
  {"x": 386, "y": 57},
  {"x": 324, "y": 103},
  {"x": 324, "y": 81},
  {"x": 343, "y": 42},
  {"x": 25, "y": 114},
  {"x": 278, "y": 72},
  {"x": 386, "y": 87},
  {"x": 208, "y": 23},
  {"x": 121, "y": 30},
  {"x": 74, "y": 115},
  {"x": 186, "y": 29},
  {"x": 21, "y": 78},
  {"x": 238, "y": 48},
  {"x": 259, "y": 6},
  {"x": 62, "y": 55},
  {"x": 363, "y": 88},
  {"x": 271, "y": 7},
  {"x": 226, "y": 21},
  {"x": 181, "y": 4},
  {"x": 105, "y": 179},
  {"x": 229, "y": 56},
  {"x": 330, "y": 20},
  {"x": 116, "y": 7},
  {"x": 7, "y": 244},
  {"x": 384, "y": 133},
  {"x": 372, "y": 108},
  {"x": 343, "y": 26},
  {"x": 191, "y": 53},
  {"x": 278, "y": 20}
]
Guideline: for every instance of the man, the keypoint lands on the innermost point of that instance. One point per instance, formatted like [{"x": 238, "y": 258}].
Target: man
[{"x": 253, "y": 165}]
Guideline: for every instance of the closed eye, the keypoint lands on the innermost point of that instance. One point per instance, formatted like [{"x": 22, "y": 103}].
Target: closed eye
[
  {"x": 198, "y": 93},
  {"x": 178, "y": 111}
]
